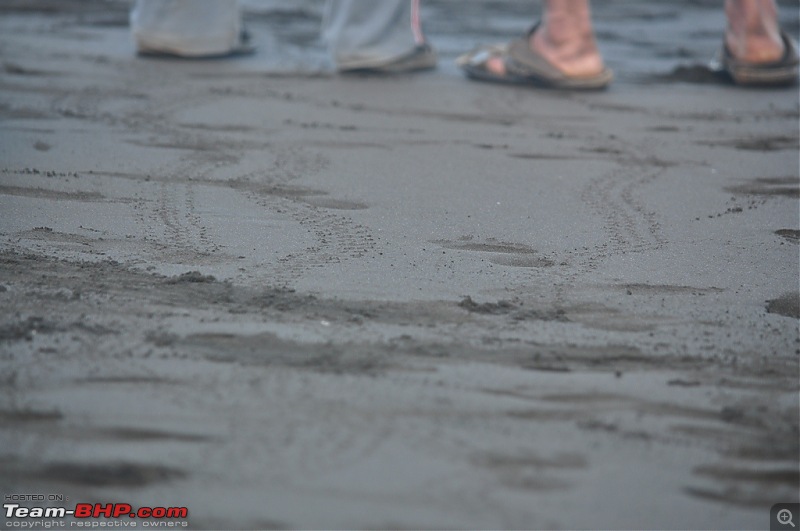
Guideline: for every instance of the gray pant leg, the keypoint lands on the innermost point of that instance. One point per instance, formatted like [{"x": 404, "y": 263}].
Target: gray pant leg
[{"x": 371, "y": 33}]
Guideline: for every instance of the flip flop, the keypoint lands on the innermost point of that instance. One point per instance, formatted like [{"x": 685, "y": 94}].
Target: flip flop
[
  {"x": 781, "y": 72},
  {"x": 526, "y": 67},
  {"x": 475, "y": 65},
  {"x": 422, "y": 57}
]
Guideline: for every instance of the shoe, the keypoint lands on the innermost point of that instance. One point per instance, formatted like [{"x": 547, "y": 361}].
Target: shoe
[
  {"x": 243, "y": 47},
  {"x": 422, "y": 57}
]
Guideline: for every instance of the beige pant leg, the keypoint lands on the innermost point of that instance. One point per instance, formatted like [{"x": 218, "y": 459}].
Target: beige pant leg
[
  {"x": 371, "y": 33},
  {"x": 190, "y": 28}
]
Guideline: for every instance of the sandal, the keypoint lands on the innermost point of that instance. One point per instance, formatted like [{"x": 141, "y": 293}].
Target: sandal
[
  {"x": 526, "y": 67},
  {"x": 777, "y": 73}
]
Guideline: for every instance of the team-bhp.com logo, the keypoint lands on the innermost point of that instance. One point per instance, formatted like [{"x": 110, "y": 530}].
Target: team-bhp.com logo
[{"x": 90, "y": 515}]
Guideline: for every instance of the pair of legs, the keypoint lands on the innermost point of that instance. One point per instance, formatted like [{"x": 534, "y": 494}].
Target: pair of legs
[
  {"x": 566, "y": 38},
  {"x": 361, "y": 34}
]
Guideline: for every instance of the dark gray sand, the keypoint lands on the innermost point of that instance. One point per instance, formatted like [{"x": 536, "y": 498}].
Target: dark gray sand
[{"x": 286, "y": 298}]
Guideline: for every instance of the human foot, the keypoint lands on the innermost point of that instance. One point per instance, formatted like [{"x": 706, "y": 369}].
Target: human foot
[
  {"x": 522, "y": 66},
  {"x": 753, "y": 34},
  {"x": 579, "y": 59},
  {"x": 565, "y": 39}
]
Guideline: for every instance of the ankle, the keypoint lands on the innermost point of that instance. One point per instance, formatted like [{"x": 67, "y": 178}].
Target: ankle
[
  {"x": 567, "y": 31},
  {"x": 575, "y": 54},
  {"x": 753, "y": 33},
  {"x": 752, "y": 18}
]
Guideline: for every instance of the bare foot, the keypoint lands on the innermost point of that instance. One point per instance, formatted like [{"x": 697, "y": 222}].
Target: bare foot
[
  {"x": 753, "y": 34},
  {"x": 574, "y": 53},
  {"x": 565, "y": 41}
]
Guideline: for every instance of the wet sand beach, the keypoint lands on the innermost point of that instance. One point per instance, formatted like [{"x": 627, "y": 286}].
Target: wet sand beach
[{"x": 287, "y": 298}]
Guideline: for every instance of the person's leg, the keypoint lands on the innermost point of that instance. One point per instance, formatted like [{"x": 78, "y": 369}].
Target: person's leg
[
  {"x": 565, "y": 39},
  {"x": 753, "y": 34},
  {"x": 370, "y": 34}
]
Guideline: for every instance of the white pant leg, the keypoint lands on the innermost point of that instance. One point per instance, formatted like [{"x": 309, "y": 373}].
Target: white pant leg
[
  {"x": 191, "y": 28},
  {"x": 371, "y": 33}
]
